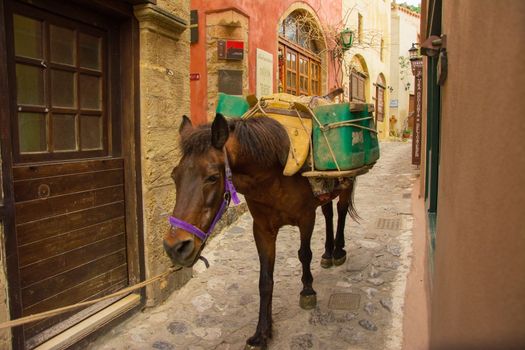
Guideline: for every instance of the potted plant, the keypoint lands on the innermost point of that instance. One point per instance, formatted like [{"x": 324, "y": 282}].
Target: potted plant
[{"x": 406, "y": 134}]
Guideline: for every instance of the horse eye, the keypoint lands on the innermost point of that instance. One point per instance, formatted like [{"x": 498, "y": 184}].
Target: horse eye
[{"x": 212, "y": 178}]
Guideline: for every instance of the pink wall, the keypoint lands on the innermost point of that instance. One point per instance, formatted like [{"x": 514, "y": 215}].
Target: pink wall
[{"x": 264, "y": 17}]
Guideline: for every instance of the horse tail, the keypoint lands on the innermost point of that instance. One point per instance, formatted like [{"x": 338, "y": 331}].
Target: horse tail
[{"x": 351, "y": 205}]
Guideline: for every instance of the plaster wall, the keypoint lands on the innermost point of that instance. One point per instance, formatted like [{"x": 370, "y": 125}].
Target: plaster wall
[
  {"x": 479, "y": 285},
  {"x": 405, "y": 29},
  {"x": 376, "y": 26},
  {"x": 262, "y": 26},
  {"x": 164, "y": 98}
]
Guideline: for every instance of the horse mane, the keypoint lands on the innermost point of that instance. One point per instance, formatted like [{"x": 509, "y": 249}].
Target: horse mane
[{"x": 261, "y": 139}]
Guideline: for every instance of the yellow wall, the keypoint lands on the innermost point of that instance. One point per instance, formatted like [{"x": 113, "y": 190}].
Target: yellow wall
[
  {"x": 376, "y": 25},
  {"x": 405, "y": 29}
]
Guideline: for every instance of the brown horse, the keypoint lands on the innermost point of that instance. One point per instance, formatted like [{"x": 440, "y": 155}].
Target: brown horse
[{"x": 256, "y": 150}]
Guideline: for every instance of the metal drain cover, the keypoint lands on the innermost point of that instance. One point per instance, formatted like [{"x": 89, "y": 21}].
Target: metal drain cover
[
  {"x": 344, "y": 301},
  {"x": 388, "y": 224}
]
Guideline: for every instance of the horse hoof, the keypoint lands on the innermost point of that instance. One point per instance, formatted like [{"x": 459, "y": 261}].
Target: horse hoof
[
  {"x": 254, "y": 347},
  {"x": 326, "y": 263},
  {"x": 340, "y": 261},
  {"x": 308, "y": 302}
]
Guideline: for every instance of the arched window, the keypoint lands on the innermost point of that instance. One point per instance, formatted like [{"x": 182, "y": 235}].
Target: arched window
[{"x": 299, "y": 61}]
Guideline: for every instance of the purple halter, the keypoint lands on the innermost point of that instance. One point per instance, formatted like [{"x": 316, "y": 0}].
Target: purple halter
[{"x": 229, "y": 193}]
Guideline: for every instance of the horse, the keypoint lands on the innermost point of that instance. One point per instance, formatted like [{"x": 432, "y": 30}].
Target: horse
[{"x": 249, "y": 155}]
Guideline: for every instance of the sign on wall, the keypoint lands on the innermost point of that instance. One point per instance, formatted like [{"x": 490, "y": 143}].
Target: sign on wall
[
  {"x": 416, "y": 137},
  {"x": 230, "y": 49},
  {"x": 394, "y": 103},
  {"x": 264, "y": 74}
]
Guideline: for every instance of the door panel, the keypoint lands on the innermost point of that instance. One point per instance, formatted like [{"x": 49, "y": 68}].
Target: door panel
[{"x": 70, "y": 230}]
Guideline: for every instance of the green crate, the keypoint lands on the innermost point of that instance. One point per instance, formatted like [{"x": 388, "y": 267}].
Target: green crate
[
  {"x": 346, "y": 141},
  {"x": 232, "y": 106},
  {"x": 370, "y": 138}
]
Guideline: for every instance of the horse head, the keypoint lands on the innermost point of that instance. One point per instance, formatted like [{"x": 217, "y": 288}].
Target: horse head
[{"x": 202, "y": 187}]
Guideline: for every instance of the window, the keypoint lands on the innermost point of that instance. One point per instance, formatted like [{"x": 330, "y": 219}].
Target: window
[
  {"x": 357, "y": 87},
  {"x": 380, "y": 98},
  {"x": 380, "y": 103},
  {"x": 299, "y": 62},
  {"x": 60, "y": 87}
]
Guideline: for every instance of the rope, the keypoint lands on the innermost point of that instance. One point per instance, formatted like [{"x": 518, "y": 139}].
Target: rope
[
  {"x": 61, "y": 310},
  {"x": 348, "y": 123}
]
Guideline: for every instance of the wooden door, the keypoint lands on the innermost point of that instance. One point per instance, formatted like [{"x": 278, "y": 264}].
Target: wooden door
[
  {"x": 380, "y": 103},
  {"x": 68, "y": 173},
  {"x": 357, "y": 87}
]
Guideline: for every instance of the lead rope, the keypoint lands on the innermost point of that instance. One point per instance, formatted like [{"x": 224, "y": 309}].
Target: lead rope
[{"x": 61, "y": 310}]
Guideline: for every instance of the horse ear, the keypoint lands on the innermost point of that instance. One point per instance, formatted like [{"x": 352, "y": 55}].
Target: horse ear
[
  {"x": 219, "y": 131},
  {"x": 186, "y": 123}
]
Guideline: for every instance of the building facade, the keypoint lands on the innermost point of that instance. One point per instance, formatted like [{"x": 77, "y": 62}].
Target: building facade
[
  {"x": 472, "y": 171},
  {"x": 260, "y": 47},
  {"x": 405, "y": 32},
  {"x": 366, "y": 68},
  {"x": 92, "y": 93}
]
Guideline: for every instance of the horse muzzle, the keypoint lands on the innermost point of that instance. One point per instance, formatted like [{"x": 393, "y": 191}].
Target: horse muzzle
[{"x": 181, "y": 252}]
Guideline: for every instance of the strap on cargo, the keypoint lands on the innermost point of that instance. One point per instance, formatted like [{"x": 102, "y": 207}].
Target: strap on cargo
[{"x": 348, "y": 123}]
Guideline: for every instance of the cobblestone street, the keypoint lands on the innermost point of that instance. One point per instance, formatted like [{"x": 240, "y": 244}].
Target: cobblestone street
[{"x": 359, "y": 303}]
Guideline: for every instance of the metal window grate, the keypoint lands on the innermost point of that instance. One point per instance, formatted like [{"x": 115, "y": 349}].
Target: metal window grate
[
  {"x": 344, "y": 301},
  {"x": 388, "y": 224}
]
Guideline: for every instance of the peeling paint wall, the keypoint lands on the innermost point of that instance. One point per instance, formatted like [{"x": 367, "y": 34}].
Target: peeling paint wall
[
  {"x": 164, "y": 98},
  {"x": 259, "y": 22}
]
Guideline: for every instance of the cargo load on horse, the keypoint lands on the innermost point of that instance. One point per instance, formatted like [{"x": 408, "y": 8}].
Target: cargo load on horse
[{"x": 329, "y": 142}]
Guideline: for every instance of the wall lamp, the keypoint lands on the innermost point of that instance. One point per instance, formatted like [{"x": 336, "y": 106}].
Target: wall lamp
[
  {"x": 415, "y": 58},
  {"x": 347, "y": 38}
]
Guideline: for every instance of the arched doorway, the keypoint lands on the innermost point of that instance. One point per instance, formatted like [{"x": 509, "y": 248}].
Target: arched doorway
[
  {"x": 358, "y": 80},
  {"x": 299, "y": 50}
]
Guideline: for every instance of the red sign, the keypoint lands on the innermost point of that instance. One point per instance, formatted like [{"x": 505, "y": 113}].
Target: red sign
[
  {"x": 230, "y": 49},
  {"x": 195, "y": 76}
]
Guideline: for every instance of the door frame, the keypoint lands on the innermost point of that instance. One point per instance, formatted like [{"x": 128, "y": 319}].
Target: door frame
[{"x": 128, "y": 109}]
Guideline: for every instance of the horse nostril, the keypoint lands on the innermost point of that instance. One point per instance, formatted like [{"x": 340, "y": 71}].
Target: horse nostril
[{"x": 183, "y": 249}]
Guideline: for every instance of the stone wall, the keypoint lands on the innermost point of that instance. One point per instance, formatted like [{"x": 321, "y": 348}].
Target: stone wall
[
  {"x": 164, "y": 98},
  {"x": 224, "y": 25}
]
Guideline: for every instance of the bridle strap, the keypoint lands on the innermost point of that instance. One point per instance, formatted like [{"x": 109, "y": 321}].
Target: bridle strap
[{"x": 229, "y": 193}]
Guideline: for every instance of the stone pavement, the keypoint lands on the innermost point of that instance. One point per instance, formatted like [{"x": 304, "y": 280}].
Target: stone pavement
[{"x": 359, "y": 303}]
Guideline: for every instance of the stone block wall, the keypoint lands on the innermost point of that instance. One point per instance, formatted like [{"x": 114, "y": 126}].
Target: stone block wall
[
  {"x": 224, "y": 25},
  {"x": 164, "y": 98}
]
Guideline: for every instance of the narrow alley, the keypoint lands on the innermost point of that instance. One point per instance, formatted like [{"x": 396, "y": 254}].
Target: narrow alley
[{"x": 359, "y": 304}]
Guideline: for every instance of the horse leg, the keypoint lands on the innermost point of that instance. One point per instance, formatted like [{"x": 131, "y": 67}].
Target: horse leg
[
  {"x": 328, "y": 212},
  {"x": 308, "y": 299},
  {"x": 265, "y": 240},
  {"x": 339, "y": 253}
]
